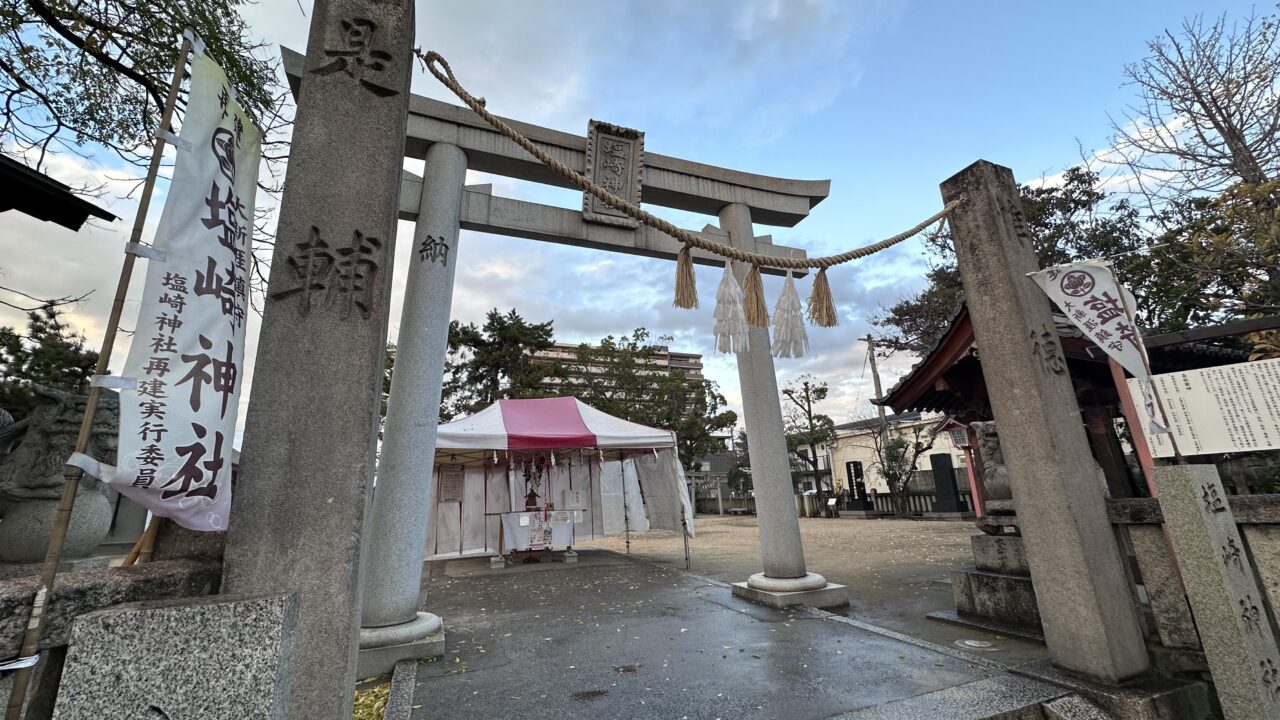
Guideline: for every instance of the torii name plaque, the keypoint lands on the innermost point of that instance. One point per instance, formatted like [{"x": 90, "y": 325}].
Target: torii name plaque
[{"x": 615, "y": 161}]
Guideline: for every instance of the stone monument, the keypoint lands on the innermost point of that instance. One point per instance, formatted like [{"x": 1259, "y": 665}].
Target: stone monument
[
  {"x": 33, "y": 456},
  {"x": 1231, "y": 612},
  {"x": 210, "y": 658},
  {"x": 308, "y": 457},
  {"x": 947, "y": 502},
  {"x": 1085, "y": 603}
]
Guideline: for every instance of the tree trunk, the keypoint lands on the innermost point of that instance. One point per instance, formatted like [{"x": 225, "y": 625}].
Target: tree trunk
[{"x": 898, "y": 495}]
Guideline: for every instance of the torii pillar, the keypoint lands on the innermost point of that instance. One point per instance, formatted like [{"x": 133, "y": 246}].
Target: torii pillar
[
  {"x": 785, "y": 580},
  {"x": 391, "y": 626}
]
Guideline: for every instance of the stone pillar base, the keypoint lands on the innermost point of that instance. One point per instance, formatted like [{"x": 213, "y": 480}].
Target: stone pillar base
[
  {"x": 808, "y": 581},
  {"x": 497, "y": 562},
  {"x": 812, "y": 590},
  {"x": 959, "y": 515},
  {"x": 382, "y": 647},
  {"x": 1147, "y": 698},
  {"x": 570, "y": 556}
]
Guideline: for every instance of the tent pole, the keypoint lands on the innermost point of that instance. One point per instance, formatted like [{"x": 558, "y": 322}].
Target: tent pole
[{"x": 684, "y": 526}]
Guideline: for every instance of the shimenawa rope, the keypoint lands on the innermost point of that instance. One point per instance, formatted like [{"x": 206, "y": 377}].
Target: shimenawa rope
[{"x": 686, "y": 292}]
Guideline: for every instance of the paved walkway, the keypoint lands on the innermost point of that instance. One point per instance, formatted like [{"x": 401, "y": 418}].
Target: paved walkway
[
  {"x": 897, "y": 571},
  {"x": 612, "y": 637}
]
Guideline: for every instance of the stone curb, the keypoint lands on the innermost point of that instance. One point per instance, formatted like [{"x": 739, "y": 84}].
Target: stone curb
[{"x": 403, "y": 681}]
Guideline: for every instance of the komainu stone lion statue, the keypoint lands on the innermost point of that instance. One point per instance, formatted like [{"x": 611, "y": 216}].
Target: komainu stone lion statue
[{"x": 33, "y": 456}]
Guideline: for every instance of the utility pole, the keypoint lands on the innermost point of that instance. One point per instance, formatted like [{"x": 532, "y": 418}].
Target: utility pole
[
  {"x": 875, "y": 378},
  {"x": 883, "y": 441}
]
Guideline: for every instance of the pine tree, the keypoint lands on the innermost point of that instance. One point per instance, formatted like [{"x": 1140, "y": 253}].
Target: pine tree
[{"x": 49, "y": 354}]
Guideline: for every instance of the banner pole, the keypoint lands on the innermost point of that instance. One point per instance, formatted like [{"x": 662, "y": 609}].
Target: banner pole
[
  {"x": 1146, "y": 365},
  {"x": 72, "y": 475}
]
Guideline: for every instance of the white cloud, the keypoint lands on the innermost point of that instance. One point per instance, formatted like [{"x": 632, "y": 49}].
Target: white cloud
[{"x": 748, "y": 71}]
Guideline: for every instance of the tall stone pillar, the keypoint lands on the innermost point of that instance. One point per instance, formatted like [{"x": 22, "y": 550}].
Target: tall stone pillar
[
  {"x": 298, "y": 511},
  {"x": 1090, "y": 623},
  {"x": 392, "y": 629},
  {"x": 785, "y": 580}
]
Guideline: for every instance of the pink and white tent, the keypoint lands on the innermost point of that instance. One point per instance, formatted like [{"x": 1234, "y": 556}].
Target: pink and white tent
[
  {"x": 611, "y": 474},
  {"x": 556, "y": 423}
]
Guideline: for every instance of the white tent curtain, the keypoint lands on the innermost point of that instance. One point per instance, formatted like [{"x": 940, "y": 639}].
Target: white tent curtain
[
  {"x": 666, "y": 493},
  {"x": 632, "y": 498},
  {"x": 643, "y": 491}
]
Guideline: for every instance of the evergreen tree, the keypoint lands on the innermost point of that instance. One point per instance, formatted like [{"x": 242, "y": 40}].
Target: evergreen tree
[
  {"x": 487, "y": 364},
  {"x": 1069, "y": 221},
  {"x": 48, "y": 354},
  {"x": 623, "y": 377}
]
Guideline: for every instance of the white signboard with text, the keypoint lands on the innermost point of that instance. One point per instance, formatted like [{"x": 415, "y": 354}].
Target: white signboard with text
[{"x": 1232, "y": 408}]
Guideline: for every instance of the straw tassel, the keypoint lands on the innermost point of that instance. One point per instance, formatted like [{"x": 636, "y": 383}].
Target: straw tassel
[
  {"x": 822, "y": 307},
  {"x": 686, "y": 282},
  {"x": 789, "y": 336},
  {"x": 753, "y": 305},
  {"x": 731, "y": 320}
]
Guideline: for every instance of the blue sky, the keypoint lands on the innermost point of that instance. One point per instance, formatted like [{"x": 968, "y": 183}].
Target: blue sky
[{"x": 886, "y": 99}]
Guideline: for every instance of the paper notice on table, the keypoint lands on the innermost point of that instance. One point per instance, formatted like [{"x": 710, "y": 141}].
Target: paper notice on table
[
  {"x": 1232, "y": 408},
  {"x": 537, "y": 530}
]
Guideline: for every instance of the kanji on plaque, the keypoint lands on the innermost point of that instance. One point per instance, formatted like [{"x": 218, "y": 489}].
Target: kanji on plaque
[{"x": 187, "y": 356}]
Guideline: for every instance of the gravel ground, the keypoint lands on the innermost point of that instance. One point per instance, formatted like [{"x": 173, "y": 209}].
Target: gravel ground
[{"x": 897, "y": 570}]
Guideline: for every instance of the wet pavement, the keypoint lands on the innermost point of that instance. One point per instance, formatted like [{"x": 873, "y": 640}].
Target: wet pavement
[
  {"x": 612, "y": 637},
  {"x": 897, "y": 571}
]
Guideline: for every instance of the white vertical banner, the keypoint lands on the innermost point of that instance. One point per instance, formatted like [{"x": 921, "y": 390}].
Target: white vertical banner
[
  {"x": 1092, "y": 299},
  {"x": 178, "y": 423}
]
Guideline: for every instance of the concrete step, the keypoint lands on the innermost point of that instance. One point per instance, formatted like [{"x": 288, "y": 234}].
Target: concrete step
[
  {"x": 986, "y": 625},
  {"x": 1074, "y": 707},
  {"x": 1001, "y": 697},
  {"x": 1001, "y": 597}
]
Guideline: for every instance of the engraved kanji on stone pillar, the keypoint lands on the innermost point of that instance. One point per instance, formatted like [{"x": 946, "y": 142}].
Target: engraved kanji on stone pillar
[
  {"x": 1223, "y": 590},
  {"x": 311, "y": 429}
]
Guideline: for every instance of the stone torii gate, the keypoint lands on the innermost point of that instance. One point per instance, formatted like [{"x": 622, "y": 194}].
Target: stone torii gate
[{"x": 451, "y": 139}]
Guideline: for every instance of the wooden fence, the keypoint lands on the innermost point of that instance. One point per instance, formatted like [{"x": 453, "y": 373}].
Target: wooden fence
[{"x": 918, "y": 502}]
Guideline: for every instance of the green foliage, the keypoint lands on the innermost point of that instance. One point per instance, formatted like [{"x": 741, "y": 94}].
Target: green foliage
[
  {"x": 914, "y": 323},
  {"x": 1230, "y": 248},
  {"x": 1071, "y": 220},
  {"x": 895, "y": 465},
  {"x": 806, "y": 429},
  {"x": 623, "y": 377},
  {"x": 49, "y": 354},
  {"x": 487, "y": 364},
  {"x": 739, "y": 474},
  {"x": 97, "y": 71}
]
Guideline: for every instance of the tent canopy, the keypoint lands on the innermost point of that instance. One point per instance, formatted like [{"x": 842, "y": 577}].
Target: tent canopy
[
  {"x": 558, "y": 423},
  {"x": 630, "y": 479}
]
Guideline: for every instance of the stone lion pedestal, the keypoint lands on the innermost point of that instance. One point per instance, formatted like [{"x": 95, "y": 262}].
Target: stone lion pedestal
[{"x": 997, "y": 595}]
